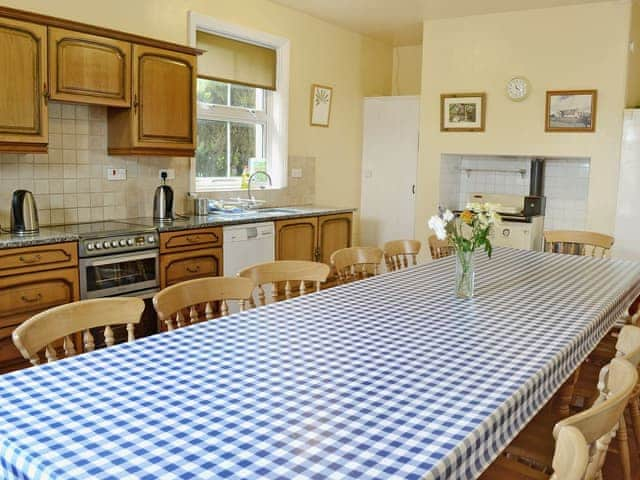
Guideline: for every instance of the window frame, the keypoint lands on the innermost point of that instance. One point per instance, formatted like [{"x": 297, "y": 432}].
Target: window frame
[
  {"x": 233, "y": 114},
  {"x": 276, "y": 102}
]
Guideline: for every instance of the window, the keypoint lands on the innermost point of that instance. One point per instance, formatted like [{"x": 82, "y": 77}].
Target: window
[
  {"x": 233, "y": 125},
  {"x": 238, "y": 125}
]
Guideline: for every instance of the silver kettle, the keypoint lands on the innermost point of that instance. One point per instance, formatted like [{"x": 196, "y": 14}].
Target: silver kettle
[
  {"x": 24, "y": 213},
  {"x": 163, "y": 201}
]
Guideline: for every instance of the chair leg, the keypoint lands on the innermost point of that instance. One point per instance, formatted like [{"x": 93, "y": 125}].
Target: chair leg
[
  {"x": 634, "y": 409},
  {"x": 623, "y": 445}
]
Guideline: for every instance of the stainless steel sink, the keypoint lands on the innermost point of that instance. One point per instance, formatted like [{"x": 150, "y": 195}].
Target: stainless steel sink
[{"x": 284, "y": 211}]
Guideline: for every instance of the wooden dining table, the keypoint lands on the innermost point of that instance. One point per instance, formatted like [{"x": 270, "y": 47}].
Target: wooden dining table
[{"x": 389, "y": 377}]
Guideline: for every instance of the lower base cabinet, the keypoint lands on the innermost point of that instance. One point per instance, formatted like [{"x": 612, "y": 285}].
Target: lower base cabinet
[
  {"x": 178, "y": 267},
  {"x": 314, "y": 238},
  {"x": 22, "y": 296}
]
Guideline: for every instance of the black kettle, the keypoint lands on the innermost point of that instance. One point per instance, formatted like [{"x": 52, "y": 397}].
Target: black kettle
[
  {"x": 24, "y": 213},
  {"x": 163, "y": 201}
]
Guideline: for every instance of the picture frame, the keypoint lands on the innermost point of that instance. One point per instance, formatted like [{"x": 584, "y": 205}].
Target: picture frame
[
  {"x": 571, "y": 111},
  {"x": 463, "y": 112},
  {"x": 321, "y": 98}
]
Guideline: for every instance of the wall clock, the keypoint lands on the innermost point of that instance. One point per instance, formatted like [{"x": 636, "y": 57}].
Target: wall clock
[{"x": 518, "y": 88}]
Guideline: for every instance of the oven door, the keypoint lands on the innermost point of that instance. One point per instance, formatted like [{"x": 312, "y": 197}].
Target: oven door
[{"x": 123, "y": 274}]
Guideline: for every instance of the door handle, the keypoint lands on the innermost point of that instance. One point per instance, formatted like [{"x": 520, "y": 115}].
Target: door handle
[
  {"x": 195, "y": 269},
  {"x": 35, "y": 299},
  {"x": 413, "y": 189},
  {"x": 34, "y": 259}
]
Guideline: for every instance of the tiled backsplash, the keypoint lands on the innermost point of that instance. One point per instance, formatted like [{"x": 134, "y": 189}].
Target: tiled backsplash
[
  {"x": 70, "y": 184},
  {"x": 566, "y": 184}
]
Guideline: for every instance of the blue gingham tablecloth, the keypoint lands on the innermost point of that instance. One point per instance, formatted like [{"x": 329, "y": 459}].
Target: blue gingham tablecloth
[{"x": 392, "y": 377}]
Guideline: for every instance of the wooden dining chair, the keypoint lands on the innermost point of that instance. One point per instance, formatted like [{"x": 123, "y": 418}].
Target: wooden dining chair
[
  {"x": 578, "y": 243},
  {"x": 399, "y": 254},
  {"x": 597, "y": 425},
  {"x": 285, "y": 279},
  {"x": 534, "y": 445},
  {"x": 440, "y": 248},
  {"x": 35, "y": 338},
  {"x": 356, "y": 263},
  {"x": 194, "y": 301}
]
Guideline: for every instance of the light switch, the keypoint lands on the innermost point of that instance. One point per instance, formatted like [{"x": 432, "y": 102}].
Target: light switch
[
  {"x": 116, "y": 173},
  {"x": 296, "y": 173}
]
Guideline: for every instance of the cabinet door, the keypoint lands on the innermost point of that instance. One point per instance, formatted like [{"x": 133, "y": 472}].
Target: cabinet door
[
  {"x": 178, "y": 267},
  {"x": 23, "y": 109},
  {"x": 296, "y": 239},
  {"x": 334, "y": 233},
  {"x": 89, "y": 69},
  {"x": 164, "y": 97},
  {"x": 22, "y": 296}
]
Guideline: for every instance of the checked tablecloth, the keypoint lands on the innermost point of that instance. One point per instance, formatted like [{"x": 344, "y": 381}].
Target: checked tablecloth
[{"x": 391, "y": 377}]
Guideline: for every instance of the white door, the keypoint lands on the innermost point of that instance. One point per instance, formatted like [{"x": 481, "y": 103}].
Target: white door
[{"x": 389, "y": 165}]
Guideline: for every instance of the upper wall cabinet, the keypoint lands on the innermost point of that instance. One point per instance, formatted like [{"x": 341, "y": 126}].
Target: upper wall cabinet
[
  {"x": 162, "y": 118},
  {"x": 89, "y": 69},
  {"x": 23, "y": 86}
]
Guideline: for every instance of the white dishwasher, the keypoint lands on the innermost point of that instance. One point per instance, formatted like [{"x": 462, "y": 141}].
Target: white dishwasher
[{"x": 245, "y": 245}]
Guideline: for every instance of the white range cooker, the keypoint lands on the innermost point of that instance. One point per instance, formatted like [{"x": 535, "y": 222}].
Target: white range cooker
[{"x": 522, "y": 224}]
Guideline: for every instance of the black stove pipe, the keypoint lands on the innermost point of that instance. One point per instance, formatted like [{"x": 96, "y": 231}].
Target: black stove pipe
[{"x": 536, "y": 184}]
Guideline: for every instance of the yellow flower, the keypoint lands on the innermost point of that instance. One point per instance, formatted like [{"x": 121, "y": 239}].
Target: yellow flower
[{"x": 466, "y": 217}]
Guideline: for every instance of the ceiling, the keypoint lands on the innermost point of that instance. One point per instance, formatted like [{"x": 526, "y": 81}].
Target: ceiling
[{"x": 399, "y": 22}]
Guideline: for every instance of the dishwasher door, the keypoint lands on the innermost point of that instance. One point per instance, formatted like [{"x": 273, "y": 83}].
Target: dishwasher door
[{"x": 246, "y": 245}]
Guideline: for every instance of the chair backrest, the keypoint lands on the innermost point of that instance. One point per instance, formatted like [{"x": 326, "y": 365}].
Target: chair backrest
[
  {"x": 293, "y": 274},
  {"x": 194, "y": 301},
  {"x": 39, "y": 332},
  {"x": 440, "y": 248},
  {"x": 578, "y": 243},
  {"x": 571, "y": 455},
  {"x": 355, "y": 263},
  {"x": 400, "y": 254},
  {"x": 599, "y": 423}
]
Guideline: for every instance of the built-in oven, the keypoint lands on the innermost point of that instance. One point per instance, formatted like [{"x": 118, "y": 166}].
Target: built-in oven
[{"x": 127, "y": 274}]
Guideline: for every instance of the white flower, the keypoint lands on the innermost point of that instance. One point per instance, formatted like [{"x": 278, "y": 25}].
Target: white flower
[
  {"x": 448, "y": 216},
  {"x": 437, "y": 224}
]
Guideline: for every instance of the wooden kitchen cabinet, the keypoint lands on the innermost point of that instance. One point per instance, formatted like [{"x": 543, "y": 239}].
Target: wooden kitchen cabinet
[
  {"x": 24, "y": 295},
  {"x": 297, "y": 239},
  {"x": 181, "y": 266},
  {"x": 192, "y": 239},
  {"x": 89, "y": 68},
  {"x": 23, "y": 86},
  {"x": 313, "y": 238},
  {"x": 162, "y": 119},
  {"x": 15, "y": 261}
]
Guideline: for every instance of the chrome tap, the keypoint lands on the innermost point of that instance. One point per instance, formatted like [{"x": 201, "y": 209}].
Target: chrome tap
[{"x": 251, "y": 197}]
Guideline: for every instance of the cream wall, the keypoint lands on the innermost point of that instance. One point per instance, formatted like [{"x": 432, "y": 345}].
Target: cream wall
[
  {"x": 354, "y": 65},
  {"x": 562, "y": 48},
  {"x": 633, "y": 72},
  {"x": 407, "y": 70}
]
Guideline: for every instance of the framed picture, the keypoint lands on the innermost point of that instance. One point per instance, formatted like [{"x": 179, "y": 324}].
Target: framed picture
[
  {"x": 320, "y": 105},
  {"x": 571, "y": 111},
  {"x": 462, "y": 112}
]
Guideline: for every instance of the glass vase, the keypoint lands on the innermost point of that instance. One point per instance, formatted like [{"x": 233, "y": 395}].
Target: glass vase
[{"x": 465, "y": 274}]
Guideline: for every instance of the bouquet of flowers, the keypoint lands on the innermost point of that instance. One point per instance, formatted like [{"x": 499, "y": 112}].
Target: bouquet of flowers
[{"x": 469, "y": 231}]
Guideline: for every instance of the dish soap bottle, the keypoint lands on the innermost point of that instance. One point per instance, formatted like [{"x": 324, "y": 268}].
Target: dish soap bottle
[{"x": 244, "y": 183}]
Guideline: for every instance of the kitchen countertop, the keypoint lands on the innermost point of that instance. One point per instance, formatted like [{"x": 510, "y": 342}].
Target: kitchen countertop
[{"x": 56, "y": 234}]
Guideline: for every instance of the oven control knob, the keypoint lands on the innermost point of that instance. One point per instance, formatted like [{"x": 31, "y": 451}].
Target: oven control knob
[
  {"x": 123, "y": 243},
  {"x": 130, "y": 242},
  {"x": 98, "y": 246},
  {"x": 114, "y": 244},
  {"x": 106, "y": 244},
  {"x": 89, "y": 246},
  {"x": 151, "y": 239}
]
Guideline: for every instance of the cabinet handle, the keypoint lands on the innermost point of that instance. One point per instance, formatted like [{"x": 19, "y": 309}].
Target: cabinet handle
[
  {"x": 135, "y": 103},
  {"x": 193, "y": 270},
  {"x": 45, "y": 93},
  {"x": 193, "y": 239},
  {"x": 35, "y": 299},
  {"x": 34, "y": 259}
]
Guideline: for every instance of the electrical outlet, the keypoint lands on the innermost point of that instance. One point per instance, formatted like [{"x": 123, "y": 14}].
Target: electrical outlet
[
  {"x": 296, "y": 173},
  {"x": 171, "y": 173},
  {"x": 116, "y": 173}
]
